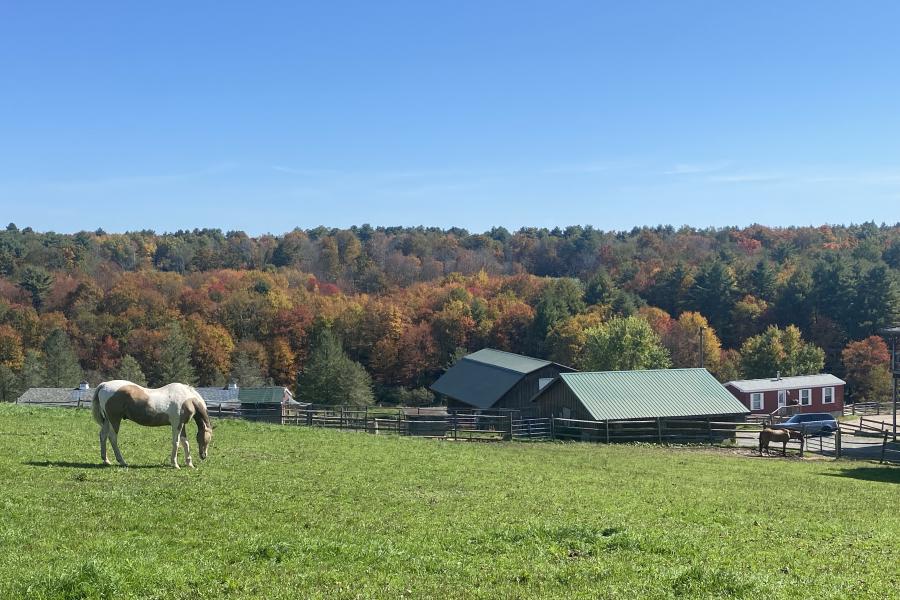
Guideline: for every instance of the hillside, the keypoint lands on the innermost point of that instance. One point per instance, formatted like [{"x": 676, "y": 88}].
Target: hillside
[
  {"x": 282, "y": 512},
  {"x": 208, "y": 306}
]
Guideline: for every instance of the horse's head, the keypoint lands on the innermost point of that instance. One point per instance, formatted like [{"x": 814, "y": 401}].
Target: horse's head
[{"x": 204, "y": 435}]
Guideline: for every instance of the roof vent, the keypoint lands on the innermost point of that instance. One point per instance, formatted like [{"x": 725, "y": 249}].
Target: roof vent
[
  {"x": 232, "y": 385},
  {"x": 84, "y": 385}
]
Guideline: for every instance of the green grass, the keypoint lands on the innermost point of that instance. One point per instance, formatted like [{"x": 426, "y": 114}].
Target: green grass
[{"x": 287, "y": 512}]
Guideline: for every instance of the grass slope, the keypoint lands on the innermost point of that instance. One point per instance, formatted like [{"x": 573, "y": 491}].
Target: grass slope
[{"x": 283, "y": 512}]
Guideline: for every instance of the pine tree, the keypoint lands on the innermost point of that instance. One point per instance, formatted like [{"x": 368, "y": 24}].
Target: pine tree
[
  {"x": 60, "y": 363},
  {"x": 10, "y": 385},
  {"x": 130, "y": 370},
  {"x": 331, "y": 377},
  {"x": 34, "y": 374},
  {"x": 37, "y": 282},
  {"x": 245, "y": 370},
  {"x": 175, "y": 358}
]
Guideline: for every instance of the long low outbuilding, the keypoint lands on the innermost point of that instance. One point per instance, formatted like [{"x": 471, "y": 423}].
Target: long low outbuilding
[{"x": 634, "y": 395}]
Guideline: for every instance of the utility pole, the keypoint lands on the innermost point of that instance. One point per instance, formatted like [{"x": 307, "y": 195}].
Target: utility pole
[{"x": 702, "y": 329}]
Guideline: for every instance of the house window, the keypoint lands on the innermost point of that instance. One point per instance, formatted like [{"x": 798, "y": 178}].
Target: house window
[
  {"x": 805, "y": 397},
  {"x": 756, "y": 401},
  {"x": 782, "y": 398},
  {"x": 543, "y": 381},
  {"x": 828, "y": 395}
]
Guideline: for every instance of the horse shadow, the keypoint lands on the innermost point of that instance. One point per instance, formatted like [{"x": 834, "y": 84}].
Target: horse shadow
[{"x": 84, "y": 465}]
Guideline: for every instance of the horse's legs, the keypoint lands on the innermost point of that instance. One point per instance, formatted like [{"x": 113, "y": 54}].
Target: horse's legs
[
  {"x": 187, "y": 449},
  {"x": 176, "y": 434},
  {"x": 103, "y": 436},
  {"x": 784, "y": 448},
  {"x": 112, "y": 430}
]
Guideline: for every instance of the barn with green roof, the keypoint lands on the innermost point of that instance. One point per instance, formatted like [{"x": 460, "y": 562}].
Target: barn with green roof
[
  {"x": 492, "y": 380},
  {"x": 628, "y": 395}
]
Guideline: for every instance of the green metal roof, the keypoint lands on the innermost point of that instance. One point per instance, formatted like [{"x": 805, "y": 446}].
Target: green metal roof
[
  {"x": 507, "y": 360},
  {"x": 612, "y": 395},
  {"x": 262, "y": 395}
]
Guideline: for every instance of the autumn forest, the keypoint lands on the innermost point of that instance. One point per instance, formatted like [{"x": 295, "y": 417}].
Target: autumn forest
[{"x": 374, "y": 314}]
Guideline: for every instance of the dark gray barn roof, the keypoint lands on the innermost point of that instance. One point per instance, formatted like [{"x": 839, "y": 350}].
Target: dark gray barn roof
[{"x": 480, "y": 379}]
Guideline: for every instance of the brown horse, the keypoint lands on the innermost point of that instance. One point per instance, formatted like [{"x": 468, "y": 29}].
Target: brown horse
[{"x": 779, "y": 435}]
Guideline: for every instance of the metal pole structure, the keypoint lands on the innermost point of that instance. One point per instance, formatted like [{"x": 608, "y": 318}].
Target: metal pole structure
[
  {"x": 895, "y": 368},
  {"x": 702, "y": 329}
]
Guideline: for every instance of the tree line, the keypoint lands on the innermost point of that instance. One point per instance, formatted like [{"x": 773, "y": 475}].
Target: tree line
[{"x": 366, "y": 314}]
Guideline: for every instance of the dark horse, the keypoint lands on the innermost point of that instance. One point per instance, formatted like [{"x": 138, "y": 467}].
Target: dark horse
[{"x": 779, "y": 435}]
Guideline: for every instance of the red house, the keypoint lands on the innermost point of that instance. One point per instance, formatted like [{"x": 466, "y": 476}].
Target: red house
[{"x": 809, "y": 393}]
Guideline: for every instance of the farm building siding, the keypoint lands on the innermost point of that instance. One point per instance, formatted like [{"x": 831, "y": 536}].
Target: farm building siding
[
  {"x": 521, "y": 394},
  {"x": 770, "y": 400},
  {"x": 558, "y": 401}
]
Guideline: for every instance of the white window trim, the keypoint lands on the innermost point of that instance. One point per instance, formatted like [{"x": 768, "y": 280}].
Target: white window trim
[
  {"x": 824, "y": 400},
  {"x": 808, "y": 397},
  {"x": 782, "y": 398},
  {"x": 754, "y": 397}
]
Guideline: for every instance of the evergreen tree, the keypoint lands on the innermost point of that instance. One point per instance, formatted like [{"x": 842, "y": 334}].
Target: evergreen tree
[
  {"x": 10, "y": 385},
  {"x": 763, "y": 281},
  {"x": 245, "y": 370},
  {"x": 714, "y": 295},
  {"x": 60, "y": 363},
  {"x": 560, "y": 299},
  {"x": 795, "y": 302},
  {"x": 130, "y": 370},
  {"x": 175, "y": 358},
  {"x": 36, "y": 281},
  {"x": 877, "y": 302},
  {"x": 34, "y": 374},
  {"x": 331, "y": 377}
]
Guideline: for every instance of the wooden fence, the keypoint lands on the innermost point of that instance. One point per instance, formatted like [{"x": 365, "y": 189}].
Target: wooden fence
[
  {"x": 875, "y": 438},
  {"x": 868, "y": 408}
]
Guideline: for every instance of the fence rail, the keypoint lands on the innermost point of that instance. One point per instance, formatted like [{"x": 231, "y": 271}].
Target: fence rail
[{"x": 473, "y": 425}]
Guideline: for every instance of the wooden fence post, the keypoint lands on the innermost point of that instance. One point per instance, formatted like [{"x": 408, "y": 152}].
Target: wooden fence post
[
  {"x": 837, "y": 443},
  {"x": 883, "y": 447},
  {"x": 659, "y": 430},
  {"x": 398, "y": 421},
  {"x": 607, "y": 430},
  {"x": 552, "y": 429}
]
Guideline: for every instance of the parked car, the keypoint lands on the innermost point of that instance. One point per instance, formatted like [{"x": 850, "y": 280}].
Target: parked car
[{"x": 810, "y": 423}]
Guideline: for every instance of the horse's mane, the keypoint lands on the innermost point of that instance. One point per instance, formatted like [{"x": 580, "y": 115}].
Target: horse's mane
[{"x": 201, "y": 416}]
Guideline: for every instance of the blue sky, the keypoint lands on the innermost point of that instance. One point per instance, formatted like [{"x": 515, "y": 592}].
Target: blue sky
[{"x": 266, "y": 116}]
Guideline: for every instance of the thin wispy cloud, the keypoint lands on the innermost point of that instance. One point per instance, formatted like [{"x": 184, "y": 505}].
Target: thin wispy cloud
[
  {"x": 588, "y": 167},
  {"x": 746, "y": 178},
  {"x": 128, "y": 181},
  {"x": 698, "y": 168},
  {"x": 304, "y": 172}
]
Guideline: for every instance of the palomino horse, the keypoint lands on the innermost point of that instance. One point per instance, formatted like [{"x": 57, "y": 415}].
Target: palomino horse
[
  {"x": 779, "y": 435},
  {"x": 174, "y": 404}
]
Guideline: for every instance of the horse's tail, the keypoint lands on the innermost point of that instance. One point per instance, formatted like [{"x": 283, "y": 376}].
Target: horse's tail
[{"x": 95, "y": 407}]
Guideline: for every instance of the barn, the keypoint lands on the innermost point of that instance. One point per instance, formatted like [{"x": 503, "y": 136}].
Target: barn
[
  {"x": 493, "y": 379},
  {"x": 629, "y": 395},
  {"x": 808, "y": 393}
]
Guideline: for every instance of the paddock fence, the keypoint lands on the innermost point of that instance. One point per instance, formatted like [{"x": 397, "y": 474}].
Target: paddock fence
[{"x": 869, "y": 439}]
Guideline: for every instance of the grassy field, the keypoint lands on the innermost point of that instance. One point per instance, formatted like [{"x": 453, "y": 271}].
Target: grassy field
[{"x": 285, "y": 512}]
